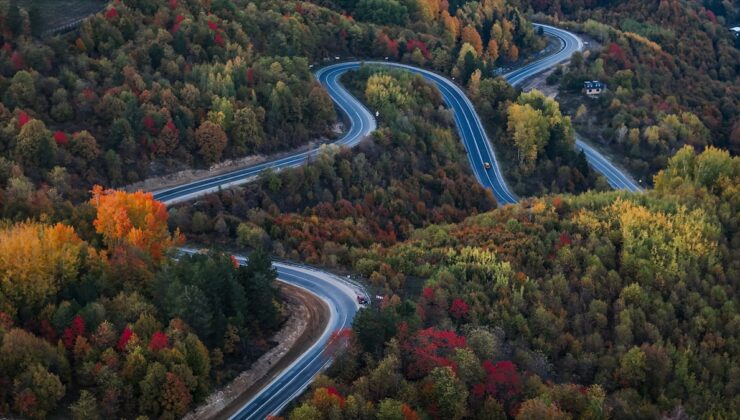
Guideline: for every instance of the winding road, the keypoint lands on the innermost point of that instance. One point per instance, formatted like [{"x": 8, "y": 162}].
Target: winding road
[
  {"x": 569, "y": 44},
  {"x": 362, "y": 123},
  {"x": 338, "y": 293},
  {"x": 340, "y": 296}
]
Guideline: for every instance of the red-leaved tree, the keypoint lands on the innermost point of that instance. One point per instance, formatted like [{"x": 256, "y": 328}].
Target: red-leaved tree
[
  {"x": 502, "y": 381},
  {"x": 111, "y": 14},
  {"x": 61, "y": 138},
  {"x": 459, "y": 309},
  {"x": 75, "y": 329},
  {"x": 158, "y": 341},
  {"x": 414, "y": 44},
  {"x": 23, "y": 119},
  {"x": 428, "y": 349},
  {"x": 125, "y": 337}
]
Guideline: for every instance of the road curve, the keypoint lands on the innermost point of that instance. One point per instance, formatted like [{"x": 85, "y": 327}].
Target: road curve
[
  {"x": 468, "y": 123},
  {"x": 569, "y": 44},
  {"x": 339, "y": 294},
  {"x": 362, "y": 123},
  {"x": 340, "y": 297},
  {"x": 618, "y": 179}
]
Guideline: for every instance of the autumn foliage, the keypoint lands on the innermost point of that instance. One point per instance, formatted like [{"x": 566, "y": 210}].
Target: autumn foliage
[
  {"x": 133, "y": 219},
  {"x": 158, "y": 341},
  {"x": 123, "y": 340},
  {"x": 76, "y": 329},
  {"x": 608, "y": 268},
  {"x": 502, "y": 380},
  {"x": 459, "y": 309},
  {"x": 431, "y": 348},
  {"x": 23, "y": 119},
  {"x": 61, "y": 138},
  {"x": 36, "y": 261},
  {"x": 111, "y": 14}
]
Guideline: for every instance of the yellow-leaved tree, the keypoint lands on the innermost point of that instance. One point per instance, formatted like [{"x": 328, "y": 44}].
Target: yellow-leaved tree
[
  {"x": 529, "y": 130},
  {"x": 673, "y": 242},
  {"x": 36, "y": 261},
  {"x": 384, "y": 91}
]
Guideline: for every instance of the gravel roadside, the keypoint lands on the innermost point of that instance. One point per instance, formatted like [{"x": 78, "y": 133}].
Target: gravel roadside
[{"x": 309, "y": 316}]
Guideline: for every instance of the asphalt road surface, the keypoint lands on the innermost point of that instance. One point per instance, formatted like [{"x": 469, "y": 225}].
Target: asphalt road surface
[
  {"x": 339, "y": 294},
  {"x": 341, "y": 297},
  {"x": 569, "y": 44},
  {"x": 362, "y": 123}
]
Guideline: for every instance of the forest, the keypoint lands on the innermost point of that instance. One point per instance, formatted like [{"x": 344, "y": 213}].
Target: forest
[
  {"x": 576, "y": 303},
  {"x": 98, "y": 321},
  {"x": 148, "y": 87},
  {"x": 602, "y": 305},
  {"x": 671, "y": 68},
  {"x": 100, "y": 324},
  {"x": 96, "y": 314},
  {"x": 535, "y": 141},
  {"x": 605, "y": 304},
  {"x": 412, "y": 173}
]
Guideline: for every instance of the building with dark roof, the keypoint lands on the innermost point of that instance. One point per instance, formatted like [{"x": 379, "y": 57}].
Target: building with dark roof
[{"x": 593, "y": 87}]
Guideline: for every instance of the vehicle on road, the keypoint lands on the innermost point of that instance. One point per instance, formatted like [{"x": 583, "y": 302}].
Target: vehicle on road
[{"x": 292, "y": 380}]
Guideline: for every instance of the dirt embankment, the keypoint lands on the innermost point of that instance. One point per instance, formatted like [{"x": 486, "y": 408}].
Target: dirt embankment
[
  {"x": 309, "y": 317},
  {"x": 539, "y": 82},
  {"x": 184, "y": 176}
]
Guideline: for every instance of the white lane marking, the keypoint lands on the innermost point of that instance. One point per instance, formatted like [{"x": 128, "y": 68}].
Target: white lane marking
[
  {"x": 466, "y": 105},
  {"x": 353, "y": 108},
  {"x": 607, "y": 168},
  {"x": 333, "y": 282}
]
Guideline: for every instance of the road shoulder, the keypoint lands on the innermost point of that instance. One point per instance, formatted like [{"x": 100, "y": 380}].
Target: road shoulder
[{"x": 309, "y": 317}]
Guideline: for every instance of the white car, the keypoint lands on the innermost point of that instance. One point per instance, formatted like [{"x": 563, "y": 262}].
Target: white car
[{"x": 486, "y": 165}]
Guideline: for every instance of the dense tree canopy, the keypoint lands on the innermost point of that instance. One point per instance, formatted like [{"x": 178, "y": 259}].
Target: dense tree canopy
[
  {"x": 36, "y": 262},
  {"x": 132, "y": 219},
  {"x": 411, "y": 174},
  {"x": 111, "y": 327},
  {"x": 149, "y": 87},
  {"x": 603, "y": 305},
  {"x": 671, "y": 68},
  {"x": 606, "y": 305}
]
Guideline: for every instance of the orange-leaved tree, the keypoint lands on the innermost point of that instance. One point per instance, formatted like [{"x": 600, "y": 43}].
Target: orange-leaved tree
[{"x": 133, "y": 219}]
